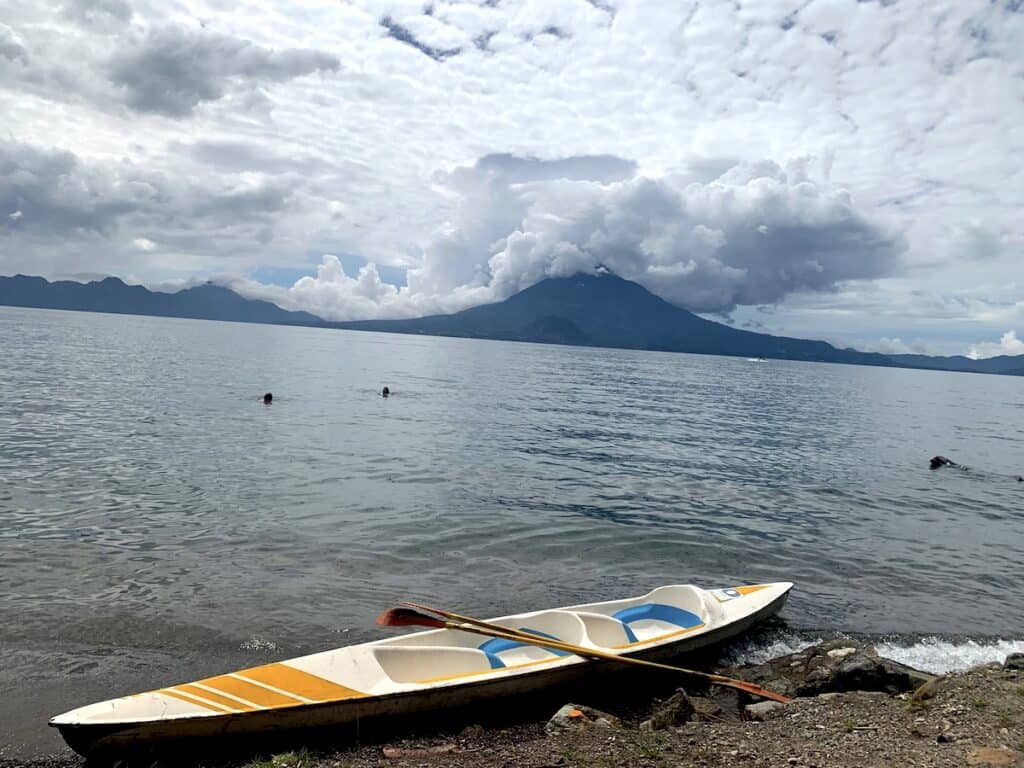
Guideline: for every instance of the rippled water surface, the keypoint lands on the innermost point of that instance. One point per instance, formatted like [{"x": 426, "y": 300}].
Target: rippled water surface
[{"x": 157, "y": 521}]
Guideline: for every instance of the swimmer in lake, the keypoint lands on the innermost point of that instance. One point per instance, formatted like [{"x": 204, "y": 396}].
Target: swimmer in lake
[
  {"x": 268, "y": 398},
  {"x": 385, "y": 392}
]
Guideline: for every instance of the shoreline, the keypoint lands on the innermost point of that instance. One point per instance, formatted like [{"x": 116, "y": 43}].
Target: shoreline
[{"x": 972, "y": 718}]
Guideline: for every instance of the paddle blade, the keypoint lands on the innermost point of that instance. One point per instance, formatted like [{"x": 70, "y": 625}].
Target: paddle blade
[
  {"x": 757, "y": 690},
  {"x": 407, "y": 617}
]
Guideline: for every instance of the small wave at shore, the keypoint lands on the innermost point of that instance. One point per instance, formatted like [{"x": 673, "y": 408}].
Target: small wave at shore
[
  {"x": 933, "y": 654},
  {"x": 939, "y": 656},
  {"x": 759, "y": 648}
]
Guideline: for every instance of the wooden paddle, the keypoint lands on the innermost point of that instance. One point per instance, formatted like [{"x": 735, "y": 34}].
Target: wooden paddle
[{"x": 411, "y": 615}]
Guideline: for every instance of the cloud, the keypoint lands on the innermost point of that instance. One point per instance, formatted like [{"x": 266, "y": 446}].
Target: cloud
[
  {"x": 93, "y": 11},
  {"x": 11, "y": 46},
  {"x": 173, "y": 69},
  {"x": 1008, "y": 344},
  {"x": 911, "y": 106},
  {"x": 753, "y": 235},
  {"x": 974, "y": 240},
  {"x": 112, "y": 211},
  {"x": 53, "y": 194},
  {"x": 404, "y": 35},
  {"x": 888, "y": 346}
]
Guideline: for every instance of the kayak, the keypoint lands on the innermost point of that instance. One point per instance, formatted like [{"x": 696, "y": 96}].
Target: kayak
[{"x": 420, "y": 672}]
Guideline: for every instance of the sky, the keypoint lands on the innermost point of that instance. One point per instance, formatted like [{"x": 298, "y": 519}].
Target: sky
[{"x": 852, "y": 171}]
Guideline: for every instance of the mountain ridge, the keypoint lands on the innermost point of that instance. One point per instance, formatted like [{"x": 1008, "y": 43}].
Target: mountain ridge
[
  {"x": 113, "y": 295},
  {"x": 598, "y": 310},
  {"x": 612, "y": 312}
]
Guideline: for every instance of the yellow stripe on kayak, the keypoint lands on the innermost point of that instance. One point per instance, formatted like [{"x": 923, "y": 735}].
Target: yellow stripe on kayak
[
  {"x": 245, "y": 692},
  {"x": 750, "y": 589},
  {"x": 204, "y": 703},
  {"x": 302, "y": 684},
  {"x": 268, "y": 687},
  {"x": 206, "y": 699}
]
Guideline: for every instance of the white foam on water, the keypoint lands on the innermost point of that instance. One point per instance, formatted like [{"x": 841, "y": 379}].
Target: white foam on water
[
  {"x": 751, "y": 653},
  {"x": 938, "y": 656},
  {"x": 257, "y": 643}
]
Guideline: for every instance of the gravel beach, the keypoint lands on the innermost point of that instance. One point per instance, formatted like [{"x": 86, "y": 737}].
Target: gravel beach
[{"x": 975, "y": 718}]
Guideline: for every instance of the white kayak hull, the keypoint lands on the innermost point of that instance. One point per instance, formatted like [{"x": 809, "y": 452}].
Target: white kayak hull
[{"x": 418, "y": 673}]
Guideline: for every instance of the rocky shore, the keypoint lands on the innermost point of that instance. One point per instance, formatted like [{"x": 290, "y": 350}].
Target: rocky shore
[{"x": 849, "y": 708}]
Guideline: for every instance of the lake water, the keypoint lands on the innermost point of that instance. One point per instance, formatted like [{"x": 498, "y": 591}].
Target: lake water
[{"x": 158, "y": 522}]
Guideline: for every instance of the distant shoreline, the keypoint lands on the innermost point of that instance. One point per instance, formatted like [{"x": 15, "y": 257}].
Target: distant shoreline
[{"x": 353, "y": 326}]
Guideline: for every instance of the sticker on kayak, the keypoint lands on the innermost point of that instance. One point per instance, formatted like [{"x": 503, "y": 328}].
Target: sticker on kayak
[{"x": 724, "y": 595}]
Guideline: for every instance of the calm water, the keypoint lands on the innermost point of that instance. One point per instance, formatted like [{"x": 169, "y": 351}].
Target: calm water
[{"x": 157, "y": 521}]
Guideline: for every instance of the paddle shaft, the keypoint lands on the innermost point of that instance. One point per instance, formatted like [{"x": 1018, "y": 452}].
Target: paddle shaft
[{"x": 494, "y": 630}]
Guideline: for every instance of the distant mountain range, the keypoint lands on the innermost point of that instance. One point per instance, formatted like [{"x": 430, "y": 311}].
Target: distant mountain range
[
  {"x": 587, "y": 310},
  {"x": 203, "y": 302}
]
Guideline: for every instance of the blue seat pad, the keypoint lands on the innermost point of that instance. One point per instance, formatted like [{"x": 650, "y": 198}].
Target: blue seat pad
[
  {"x": 493, "y": 647},
  {"x": 659, "y": 612}
]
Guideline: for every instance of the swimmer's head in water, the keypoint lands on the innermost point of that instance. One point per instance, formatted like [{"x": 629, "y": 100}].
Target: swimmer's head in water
[
  {"x": 385, "y": 392},
  {"x": 268, "y": 398}
]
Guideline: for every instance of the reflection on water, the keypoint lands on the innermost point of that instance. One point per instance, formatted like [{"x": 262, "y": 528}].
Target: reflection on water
[{"x": 156, "y": 517}]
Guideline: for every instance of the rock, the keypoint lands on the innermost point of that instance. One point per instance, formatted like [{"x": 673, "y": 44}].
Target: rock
[
  {"x": 575, "y": 717},
  {"x": 729, "y": 702},
  {"x": 675, "y": 710},
  {"x": 838, "y": 653},
  {"x": 927, "y": 690},
  {"x": 835, "y": 666},
  {"x": 763, "y": 710},
  {"x": 1014, "y": 661},
  {"x": 705, "y": 708}
]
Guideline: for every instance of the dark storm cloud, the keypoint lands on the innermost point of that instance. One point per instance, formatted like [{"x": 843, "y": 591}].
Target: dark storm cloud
[
  {"x": 51, "y": 192},
  {"x": 174, "y": 69}
]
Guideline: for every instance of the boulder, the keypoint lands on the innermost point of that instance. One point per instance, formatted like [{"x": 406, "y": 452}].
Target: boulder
[
  {"x": 927, "y": 690},
  {"x": 576, "y": 717},
  {"x": 1014, "y": 661},
  {"x": 675, "y": 710},
  {"x": 833, "y": 667},
  {"x": 763, "y": 710},
  {"x": 706, "y": 709}
]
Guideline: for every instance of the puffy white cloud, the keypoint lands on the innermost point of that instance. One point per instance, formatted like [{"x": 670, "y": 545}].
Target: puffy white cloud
[
  {"x": 752, "y": 235},
  {"x": 1008, "y": 344}
]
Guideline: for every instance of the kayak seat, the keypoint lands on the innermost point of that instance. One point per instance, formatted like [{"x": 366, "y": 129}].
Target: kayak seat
[
  {"x": 499, "y": 644},
  {"x": 658, "y": 612}
]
